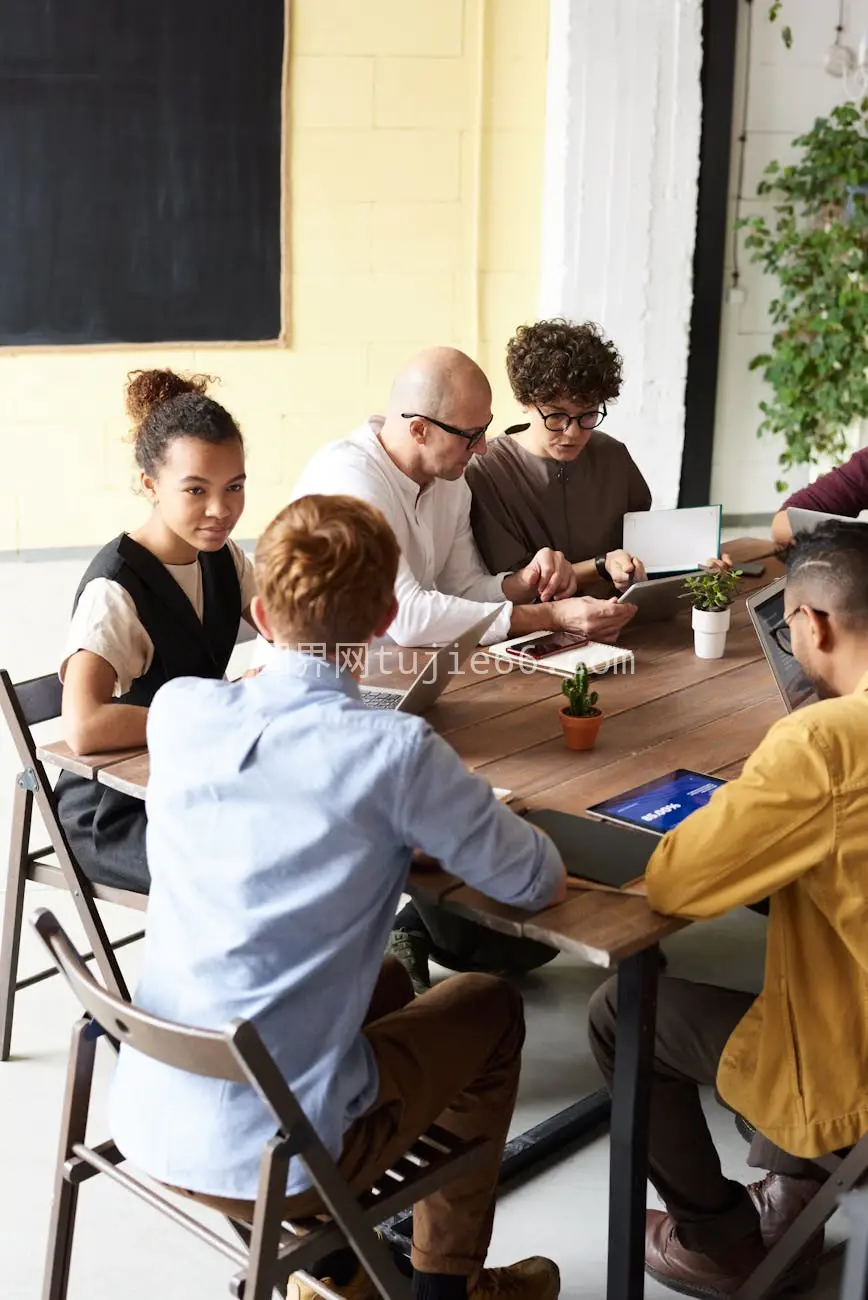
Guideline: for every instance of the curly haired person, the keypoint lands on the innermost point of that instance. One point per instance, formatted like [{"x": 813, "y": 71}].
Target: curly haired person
[{"x": 559, "y": 481}]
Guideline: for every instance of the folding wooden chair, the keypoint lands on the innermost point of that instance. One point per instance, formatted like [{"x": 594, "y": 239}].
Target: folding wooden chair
[
  {"x": 854, "y": 1285},
  {"x": 846, "y": 1172},
  {"x": 270, "y": 1251},
  {"x": 24, "y": 706}
]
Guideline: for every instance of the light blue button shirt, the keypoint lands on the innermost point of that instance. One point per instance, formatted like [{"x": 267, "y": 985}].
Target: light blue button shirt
[{"x": 282, "y": 814}]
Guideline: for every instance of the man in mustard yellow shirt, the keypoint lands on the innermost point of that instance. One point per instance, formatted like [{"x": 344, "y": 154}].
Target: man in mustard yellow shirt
[{"x": 794, "y": 1060}]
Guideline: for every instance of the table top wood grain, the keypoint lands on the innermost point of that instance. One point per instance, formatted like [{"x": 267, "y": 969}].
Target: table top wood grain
[{"x": 673, "y": 710}]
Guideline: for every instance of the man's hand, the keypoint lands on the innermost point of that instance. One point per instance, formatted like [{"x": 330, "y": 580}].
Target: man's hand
[
  {"x": 549, "y": 576},
  {"x": 625, "y": 569},
  {"x": 724, "y": 564},
  {"x": 600, "y": 620}
]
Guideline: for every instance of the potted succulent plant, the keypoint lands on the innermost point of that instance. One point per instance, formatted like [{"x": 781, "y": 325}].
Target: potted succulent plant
[
  {"x": 580, "y": 717},
  {"x": 712, "y": 594}
]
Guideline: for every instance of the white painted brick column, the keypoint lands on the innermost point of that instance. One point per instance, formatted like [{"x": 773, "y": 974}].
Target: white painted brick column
[{"x": 619, "y": 213}]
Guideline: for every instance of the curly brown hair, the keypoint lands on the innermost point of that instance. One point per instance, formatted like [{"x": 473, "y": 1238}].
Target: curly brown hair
[
  {"x": 326, "y": 569},
  {"x": 165, "y": 406},
  {"x": 553, "y": 360}
]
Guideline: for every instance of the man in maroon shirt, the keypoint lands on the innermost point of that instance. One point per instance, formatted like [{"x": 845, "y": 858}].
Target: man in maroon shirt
[{"x": 843, "y": 491}]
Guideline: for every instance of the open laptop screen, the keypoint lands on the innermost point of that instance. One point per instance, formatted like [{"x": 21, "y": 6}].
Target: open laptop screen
[{"x": 766, "y": 609}]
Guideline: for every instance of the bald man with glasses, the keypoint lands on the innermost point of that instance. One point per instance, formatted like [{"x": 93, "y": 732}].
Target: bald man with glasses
[{"x": 410, "y": 463}]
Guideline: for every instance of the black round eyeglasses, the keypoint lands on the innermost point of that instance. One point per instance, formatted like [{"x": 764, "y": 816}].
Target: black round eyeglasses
[{"x": 560, "y": 421}]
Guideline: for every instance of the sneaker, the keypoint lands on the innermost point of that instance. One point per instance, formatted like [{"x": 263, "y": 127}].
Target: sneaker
[
  {"x": 359, "y": 1287},
  {"x": 412, "y": 950},
  {"x": 536, "y": 1278}
]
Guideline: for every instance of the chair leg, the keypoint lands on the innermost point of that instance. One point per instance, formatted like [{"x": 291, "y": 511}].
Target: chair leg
[
  {"x": 10, "y": 940},
  {"x": 76, "y": 1103},
  {"x": 343, "y": 1207},
  {"x": 784, "y": 1255},
  {"x": 266, "y": 1230},
  {"x": 85, "y": 905}
]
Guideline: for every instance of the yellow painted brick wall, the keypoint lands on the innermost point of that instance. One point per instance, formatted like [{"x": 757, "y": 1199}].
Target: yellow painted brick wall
[{"x": 415, "y": 178}]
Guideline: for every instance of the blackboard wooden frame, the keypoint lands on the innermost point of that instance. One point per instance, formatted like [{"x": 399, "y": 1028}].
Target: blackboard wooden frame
[{"x": 142, "y": 156}]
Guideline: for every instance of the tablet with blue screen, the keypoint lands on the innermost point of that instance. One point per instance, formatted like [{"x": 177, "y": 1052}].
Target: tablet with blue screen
[{"x": 660, "y": 805}]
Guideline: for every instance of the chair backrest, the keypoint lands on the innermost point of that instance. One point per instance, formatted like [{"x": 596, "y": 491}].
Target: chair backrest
[
  {"x": 25, "y": 705},
  {"x": 198, "y": 1051},
  {"x": 39, "y": 697}
]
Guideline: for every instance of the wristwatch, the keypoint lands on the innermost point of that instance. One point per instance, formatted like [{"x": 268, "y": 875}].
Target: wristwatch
[{"x": 602, "y": 571}]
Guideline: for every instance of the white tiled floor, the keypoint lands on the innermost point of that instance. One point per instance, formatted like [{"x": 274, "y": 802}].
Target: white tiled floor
[{"x": 125, "y": 1249}]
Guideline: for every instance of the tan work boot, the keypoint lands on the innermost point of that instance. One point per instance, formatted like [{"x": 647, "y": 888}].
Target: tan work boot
[
  {"x": 359, "y": 1287},
  {"x": 536, "y": 1278},
  {"x": 530, "y": 1279}
]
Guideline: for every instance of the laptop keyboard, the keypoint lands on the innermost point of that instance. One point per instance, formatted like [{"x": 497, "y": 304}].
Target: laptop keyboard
[{"x": 381, "y": 699}]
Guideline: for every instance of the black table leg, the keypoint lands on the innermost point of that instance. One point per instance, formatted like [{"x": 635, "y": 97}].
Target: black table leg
[{"x": 628, "y": 1158}]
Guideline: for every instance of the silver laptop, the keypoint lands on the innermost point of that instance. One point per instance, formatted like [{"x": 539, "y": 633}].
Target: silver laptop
[
  {"x": 766, "y": 609},
  {"x": 805, "y": 521},
  {"x": 429, "y": 685}
]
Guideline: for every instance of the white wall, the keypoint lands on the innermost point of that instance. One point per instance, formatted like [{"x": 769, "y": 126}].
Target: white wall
[
  {"x": 619, "y": 208},
  {"x": 788, "y": 89}
]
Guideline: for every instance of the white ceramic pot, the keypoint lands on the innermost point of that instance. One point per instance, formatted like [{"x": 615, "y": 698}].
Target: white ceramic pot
[{"x": 709, "y": 632}]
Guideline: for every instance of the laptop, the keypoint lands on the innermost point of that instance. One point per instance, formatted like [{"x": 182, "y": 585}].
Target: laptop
[
  {"x": 429, "y": 685},
  {"x": 806, "y": 521},
  {"x": 766, "y": 610},
  {"x": 659, "y": 806}
]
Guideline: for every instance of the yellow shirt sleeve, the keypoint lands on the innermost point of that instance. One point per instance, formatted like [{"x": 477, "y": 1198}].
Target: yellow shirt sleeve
[{"x": 755, "y": 835}]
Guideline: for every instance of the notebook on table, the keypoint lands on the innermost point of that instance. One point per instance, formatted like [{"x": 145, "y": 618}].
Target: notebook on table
[
  {"x": 597, "y": 657},
  {"x": 600, "y": 853},
  {"x": 673, "y": 541}
]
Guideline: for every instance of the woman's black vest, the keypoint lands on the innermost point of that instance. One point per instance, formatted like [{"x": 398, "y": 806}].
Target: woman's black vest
[{"x": 106, "y": 829}]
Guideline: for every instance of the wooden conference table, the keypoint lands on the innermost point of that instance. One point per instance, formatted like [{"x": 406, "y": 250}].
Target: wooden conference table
[{"x": 675, "y": 710}]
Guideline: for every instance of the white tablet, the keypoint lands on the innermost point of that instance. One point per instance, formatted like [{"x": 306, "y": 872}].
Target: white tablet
[
  {"x": 655, "y": 598},
  {"x": 673, "y": 541}
]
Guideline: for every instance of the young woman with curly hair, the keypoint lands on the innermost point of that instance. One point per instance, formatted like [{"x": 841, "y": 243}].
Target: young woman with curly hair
[
  {"x": 558, "y": 480},
  {"x": 161, "y": 602}
]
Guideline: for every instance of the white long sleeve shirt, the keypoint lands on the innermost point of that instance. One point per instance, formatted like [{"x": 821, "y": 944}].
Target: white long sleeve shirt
[{"x": 442, "y": 584}]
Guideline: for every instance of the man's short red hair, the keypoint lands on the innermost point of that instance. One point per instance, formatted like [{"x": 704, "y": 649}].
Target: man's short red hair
[{"x": 326, "y": 569}]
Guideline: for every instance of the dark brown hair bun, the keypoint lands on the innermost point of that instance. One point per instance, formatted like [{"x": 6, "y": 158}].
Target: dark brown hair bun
[
  {"x": 165, "y": 406},
  {"x": 146, "y": 388}
]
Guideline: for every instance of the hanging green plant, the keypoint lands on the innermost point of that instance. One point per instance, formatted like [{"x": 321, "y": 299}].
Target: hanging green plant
[
  {"x": 786, "y": 32},
  {"x": 816, "y": 245}
]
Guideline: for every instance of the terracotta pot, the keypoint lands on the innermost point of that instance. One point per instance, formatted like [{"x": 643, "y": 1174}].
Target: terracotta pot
[{"x": 580, "y": 733}]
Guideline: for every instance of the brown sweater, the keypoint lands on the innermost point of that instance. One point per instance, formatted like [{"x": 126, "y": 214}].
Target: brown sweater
[{"x": 523, "y": 502}]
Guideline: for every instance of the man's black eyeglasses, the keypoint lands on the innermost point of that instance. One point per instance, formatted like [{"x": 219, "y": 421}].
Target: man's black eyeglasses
[
  {"x": 559, "y": 421},
  {"x": 781, "y": 631},
  {"x": 470, "y": 436}
]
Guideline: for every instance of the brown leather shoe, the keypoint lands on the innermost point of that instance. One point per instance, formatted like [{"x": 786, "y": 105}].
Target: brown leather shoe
[
  {"x": 691, "y": 1271},
  {"x": 779, "y": 1201}
]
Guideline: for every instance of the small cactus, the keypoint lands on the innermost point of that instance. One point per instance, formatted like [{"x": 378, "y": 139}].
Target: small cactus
[{"x": 582, "y": 700}]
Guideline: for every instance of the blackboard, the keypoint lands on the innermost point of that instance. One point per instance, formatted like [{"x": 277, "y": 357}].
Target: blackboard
[{"x": 140, "y": 170}]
